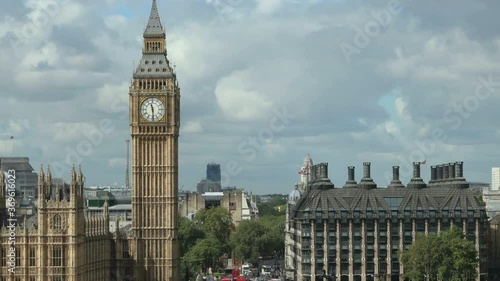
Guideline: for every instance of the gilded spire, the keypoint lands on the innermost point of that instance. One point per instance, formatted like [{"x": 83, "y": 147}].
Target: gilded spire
[{"x": 154, "y": 27}]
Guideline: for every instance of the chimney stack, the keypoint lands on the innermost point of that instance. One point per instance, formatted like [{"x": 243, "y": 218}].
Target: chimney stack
[
  {"x": 450, "y": 175},
  {"x": 366, "y": 182},
  {"x": 351, "y": 182},
  {"x": 459, "y": 169},
  {"x": 313, "y": 173},
  {"x": 433, "y": 175},
  {"x": 395, "y": 173},
  {"x": 439, "y": 169},
  {"x": 416, "y": 169},
  {"x": 321, "y": 180},
  {"x": 445, "y": 172},
  {"x": 323, "y": 171},
  {"x": 416, "y": 181},
  {"x": 451, "y": 170},
  {"x": 459, "y": 181},
  {"x": 366, "y": 170},
  {"x": 395, "y": 178}
]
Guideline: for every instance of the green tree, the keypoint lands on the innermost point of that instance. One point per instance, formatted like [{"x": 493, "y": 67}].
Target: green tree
[
  {"x": 217, "y": 223},
  {"x": 274, "y": 237},
  {"x": 189, "y": 234},
  {"x": 248, "y": 241},
  {"x": 265, "y": 209},
  {"x": 269, "y": 208},
  {"x": 459, "y": 256},
  {"x": 422, "y": 259},
  {"x": 204, "y": 240},
  {"x": 447, "y": 256},
  {"x": 204, "y": 254}
]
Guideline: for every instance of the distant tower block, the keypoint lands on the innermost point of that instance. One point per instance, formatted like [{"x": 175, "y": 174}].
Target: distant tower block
[
  {"x": 495, "y": 178},
  {"x": 213, "y": 172}
]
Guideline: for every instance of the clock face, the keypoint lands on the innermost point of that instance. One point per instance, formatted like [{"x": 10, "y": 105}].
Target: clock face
[{"x": 152, "y": 109}]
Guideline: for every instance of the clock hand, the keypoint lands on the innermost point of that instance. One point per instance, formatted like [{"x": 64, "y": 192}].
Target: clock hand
[{"x": 152, "y": 112}]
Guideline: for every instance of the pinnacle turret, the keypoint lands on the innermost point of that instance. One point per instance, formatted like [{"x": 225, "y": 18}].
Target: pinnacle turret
[
  {"x": 48, "y": 176},
  {"x": 73, "y": 175}
]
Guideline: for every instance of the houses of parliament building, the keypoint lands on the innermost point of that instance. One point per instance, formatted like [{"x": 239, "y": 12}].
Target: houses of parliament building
[{"x": 64, "y": 243}]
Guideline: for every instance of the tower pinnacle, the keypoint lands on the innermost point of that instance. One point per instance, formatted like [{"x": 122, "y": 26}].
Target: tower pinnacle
[{"x": 154, "y": 29}]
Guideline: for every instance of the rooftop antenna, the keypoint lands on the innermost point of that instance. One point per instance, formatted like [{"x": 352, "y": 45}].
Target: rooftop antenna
[{"x": 127, "y": 182}]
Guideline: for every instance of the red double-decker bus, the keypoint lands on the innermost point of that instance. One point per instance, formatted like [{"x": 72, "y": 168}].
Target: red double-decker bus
[{"x": 235, "y": 276}]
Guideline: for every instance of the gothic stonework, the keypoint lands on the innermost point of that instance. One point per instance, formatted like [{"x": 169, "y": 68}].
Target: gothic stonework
[
  {"x": 64, "y": 242},
  {"x": 60, "y": 242},
  {"x": 154, "y": 124}
]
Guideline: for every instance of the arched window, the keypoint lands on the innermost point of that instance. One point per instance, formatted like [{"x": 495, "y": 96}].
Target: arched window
[{"x": 57, "y": 223}]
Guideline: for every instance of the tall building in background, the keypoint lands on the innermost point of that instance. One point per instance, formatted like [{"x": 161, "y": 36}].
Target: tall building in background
[
  {"x": 154, "y": 124},
  {"x": 212, "y": 183},
  {"x": 495, "y": 178},
  {"x": 213, "y": 172},
  {"x": 26, "y": 178}
]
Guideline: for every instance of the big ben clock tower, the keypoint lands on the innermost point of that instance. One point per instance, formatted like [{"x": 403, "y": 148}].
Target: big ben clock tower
[{"x": 154, "y": 123}]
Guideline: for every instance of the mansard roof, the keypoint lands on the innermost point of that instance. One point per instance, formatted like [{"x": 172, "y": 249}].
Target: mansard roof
[
  {"x": 153, "y": 66},
  {"x": 439, "y": 195}
]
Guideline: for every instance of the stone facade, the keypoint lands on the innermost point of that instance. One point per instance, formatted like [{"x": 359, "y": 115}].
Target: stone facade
[
  {"x": 154, "y": 123},
  {"x": 237, "y": 201},
  {"x": 494, "y": 248},
  {"x": 356, "y": 232},
  {"x": 66, "y": 242},
  {"x": 62, "y": 242}
]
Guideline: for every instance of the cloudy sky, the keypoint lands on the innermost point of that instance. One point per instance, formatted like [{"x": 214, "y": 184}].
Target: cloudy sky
[{"x": 263, "y": 83}]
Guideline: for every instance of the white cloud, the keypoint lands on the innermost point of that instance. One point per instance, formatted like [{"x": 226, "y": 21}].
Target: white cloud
[
  {"x": 445, "y": 57},
  {"x": 238, "y": 62},
  {"x": 274, "y": 149},
  {"x": 116, "y": 22},
  {"x": 117, "y": 162},
  {"x": 238, "y": 97},
  {"x": 7, "y": 147},
  {"x": 192, "y": 127},
  {"x": 113, "y": 98},
  {"x": 17, "y": 126},
  {"x": 268, "y": 6},
  {"x": 70, "y": 132},
  {"x": 48, "y": 54}
]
